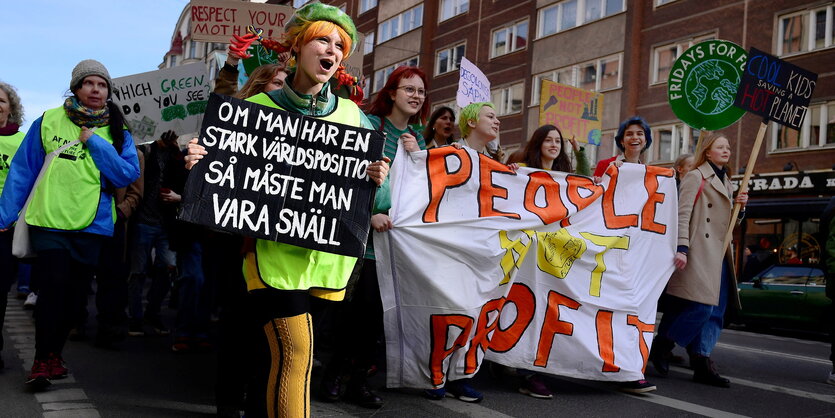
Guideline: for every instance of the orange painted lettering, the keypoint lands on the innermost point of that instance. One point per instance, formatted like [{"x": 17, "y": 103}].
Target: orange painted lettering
[
  {"x": 612, "y": 220},
  {"x": 505, "y": 339},
  {"x": 487, "y": 191},
  {"x": 554, "y": 208},
  {"x": 605, "y": 341},
  {"x": 552, "y": 325},
  {"x": 653, "y": 199},
  {"x": 441, "y": 178},
  {"x": 440, "y": 329},
  {"x": 642, "y": 328}
]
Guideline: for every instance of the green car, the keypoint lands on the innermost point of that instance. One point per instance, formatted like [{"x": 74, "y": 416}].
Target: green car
[{"x": 787, "y": 296}]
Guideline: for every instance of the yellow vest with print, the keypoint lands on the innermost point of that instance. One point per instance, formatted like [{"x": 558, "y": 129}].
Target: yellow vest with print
[
  {"x": 67, "y": 197},
  {"x": 289, "y": 267},
  {"x": 8, "y": 148}
]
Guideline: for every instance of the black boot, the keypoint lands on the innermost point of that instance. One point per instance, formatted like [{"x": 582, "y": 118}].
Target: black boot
[
  {"x": 359, "y": 393},
  {"x": 704, "y": 372},
  {"x": 661, "y": 353}
]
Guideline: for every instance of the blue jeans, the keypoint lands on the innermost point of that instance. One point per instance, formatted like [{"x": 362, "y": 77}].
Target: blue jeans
[
  {"x": 147, "y": 238},
  {"x": 23, "y": 277},
  {"x": 193, "y": 310},
  {"x": 695, "y": 325}
]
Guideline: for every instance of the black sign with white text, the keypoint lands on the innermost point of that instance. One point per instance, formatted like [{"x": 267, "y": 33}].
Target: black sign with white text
[
  {"x": 775, "y": 89},
  {"x": 284, "y": 177}
]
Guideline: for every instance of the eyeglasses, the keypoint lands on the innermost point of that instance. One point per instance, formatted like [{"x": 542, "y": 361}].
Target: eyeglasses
[{"x": 411, "y": 91}]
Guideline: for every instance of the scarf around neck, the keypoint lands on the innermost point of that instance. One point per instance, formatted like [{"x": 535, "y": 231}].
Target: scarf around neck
[
  {"x": 9, "y": 129},
  {"x": 84, "y": 116}
]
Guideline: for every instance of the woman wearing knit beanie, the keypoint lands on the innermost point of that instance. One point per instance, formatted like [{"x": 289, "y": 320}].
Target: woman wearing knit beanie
[
  {"x": 71, "y": 208},
  {"x": 282, "y": 277}
]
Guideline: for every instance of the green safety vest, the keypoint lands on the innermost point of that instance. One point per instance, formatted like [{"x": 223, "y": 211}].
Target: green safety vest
[
  {"x": 8, "y": 147},
  {"x": 68, "y": 195},
  {"x": 288, "y": 267}
]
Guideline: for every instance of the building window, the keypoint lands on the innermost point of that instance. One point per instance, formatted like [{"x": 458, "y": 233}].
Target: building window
[
  {"x": 570, "y": 13},
  {"x": 817, "y": 131},
  {"x": 665, "y": 56},
  {"x": 509, "y": 39},
  {"x": 508, "y": 100},
  {"x": 449, "y": 59},
  {"x": 404, "y": 22},
  {"x": 670, "y": 141},
  {"x": 368, "y": 44},
  {"x": 366, "y": 5},
  {"x": 598, "y": 75},
  {"x": 805, "y": 31},
  {"x": 663, "y": 2},
  {"x": 192, "y": 49},
  {"x": 172, "y": 61},
  {"x": 381, "y": 75},
  {"x": 452, "y": 8}
]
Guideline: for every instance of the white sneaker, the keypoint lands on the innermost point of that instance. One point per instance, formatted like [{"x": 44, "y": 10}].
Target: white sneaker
[
  {"x": 831, "y": 379},
  {"x": 31, "y": 301}
]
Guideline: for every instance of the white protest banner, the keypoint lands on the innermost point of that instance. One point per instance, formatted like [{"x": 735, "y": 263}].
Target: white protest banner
[
  {"x": 154, "y": 102},
  {"x": 218, "y": 20},
  {"x": 473, "y": 85},
  {"x": 540, "y": 270}
]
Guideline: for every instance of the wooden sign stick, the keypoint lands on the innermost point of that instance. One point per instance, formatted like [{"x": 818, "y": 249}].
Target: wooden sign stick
[
  {"x": 702, "y": 136},
  {"x": 743, "y": 186}
]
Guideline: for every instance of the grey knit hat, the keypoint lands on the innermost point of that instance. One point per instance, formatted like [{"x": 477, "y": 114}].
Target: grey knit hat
[{"x": 90, "y": 67}]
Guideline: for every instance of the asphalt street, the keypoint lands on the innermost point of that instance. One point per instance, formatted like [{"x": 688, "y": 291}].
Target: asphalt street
[{"x": 770, "y": 376}]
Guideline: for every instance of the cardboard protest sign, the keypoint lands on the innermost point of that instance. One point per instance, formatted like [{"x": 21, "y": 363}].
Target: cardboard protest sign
[
  {"x": 473, "y": 85},
  {"x": 284, "y": 177},
  {"x": 218, "y": 20},
  {"x": 541, "y": 270},
  {"x": 154, "y": 102},
  {"x": 575, "y": 111},
  {"x": 703, "y": 82},
  {"x": 775, "y": 89}
]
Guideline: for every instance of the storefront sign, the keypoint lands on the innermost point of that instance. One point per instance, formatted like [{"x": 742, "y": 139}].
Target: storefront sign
[
  {"x": 811, "y": 183},
  {"x": 703, "y": 83}
]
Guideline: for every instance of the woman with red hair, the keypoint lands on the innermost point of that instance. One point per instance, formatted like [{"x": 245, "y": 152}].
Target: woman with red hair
[{"x": 400, "y": 103}]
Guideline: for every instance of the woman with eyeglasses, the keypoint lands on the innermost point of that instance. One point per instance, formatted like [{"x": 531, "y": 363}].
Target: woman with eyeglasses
[
  {"x": 359, "y": 319},
  {"x": 400, "y": 103}
]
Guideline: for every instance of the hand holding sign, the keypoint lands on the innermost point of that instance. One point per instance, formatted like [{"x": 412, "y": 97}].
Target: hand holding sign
[{"x": 283, "y": 177}]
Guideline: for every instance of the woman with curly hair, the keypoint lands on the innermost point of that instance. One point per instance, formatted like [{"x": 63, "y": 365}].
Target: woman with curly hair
[{"x": 11, "y": 117}]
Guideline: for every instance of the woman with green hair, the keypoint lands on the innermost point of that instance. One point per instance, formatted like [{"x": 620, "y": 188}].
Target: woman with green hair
[{"x": 282, "y": 277}]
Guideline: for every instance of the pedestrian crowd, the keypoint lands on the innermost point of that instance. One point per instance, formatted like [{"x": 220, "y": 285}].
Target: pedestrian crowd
[{"x": 82, "y": 203}]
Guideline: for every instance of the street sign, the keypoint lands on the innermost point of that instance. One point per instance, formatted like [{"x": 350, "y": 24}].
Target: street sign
[{"x": 703, "y": 83}]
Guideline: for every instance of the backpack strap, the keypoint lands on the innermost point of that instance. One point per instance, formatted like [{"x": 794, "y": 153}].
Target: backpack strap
[{"x": 699, "y": 193}]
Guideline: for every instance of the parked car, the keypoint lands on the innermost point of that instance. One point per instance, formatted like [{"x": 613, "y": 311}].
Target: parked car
[{"x": 786, "y": 296}]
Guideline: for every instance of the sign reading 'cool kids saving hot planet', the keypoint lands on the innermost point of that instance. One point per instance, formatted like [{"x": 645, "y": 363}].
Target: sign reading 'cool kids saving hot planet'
[{"x": 703, "y": 83}]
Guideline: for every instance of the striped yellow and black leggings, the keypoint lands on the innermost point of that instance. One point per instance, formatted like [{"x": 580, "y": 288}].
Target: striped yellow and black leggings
[{"x": 281, "y": 387}]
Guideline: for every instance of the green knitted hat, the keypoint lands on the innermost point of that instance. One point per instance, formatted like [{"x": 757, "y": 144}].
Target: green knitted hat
[{"x": 312, "y": 12}]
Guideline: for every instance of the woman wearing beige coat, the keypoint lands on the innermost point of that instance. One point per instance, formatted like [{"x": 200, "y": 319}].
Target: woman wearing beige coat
[{"x": 704, "y": 283}]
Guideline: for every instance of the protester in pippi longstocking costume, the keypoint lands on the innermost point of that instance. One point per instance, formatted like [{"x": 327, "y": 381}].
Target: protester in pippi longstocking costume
[
  {"x": 281, "y": 277},
  {"x": 11, "y": 117},
  {"x": 72, "y": 208}
]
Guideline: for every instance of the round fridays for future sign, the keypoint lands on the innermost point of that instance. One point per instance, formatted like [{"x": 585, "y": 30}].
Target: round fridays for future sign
[{"x": 703, "y": 82}]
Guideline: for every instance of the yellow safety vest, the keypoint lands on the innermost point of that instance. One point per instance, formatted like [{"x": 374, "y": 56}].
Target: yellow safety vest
[
  {"x": 68, "y": 195},
  {"x": 289, "y": 267},
  {"x": 8, "y": 148}
]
